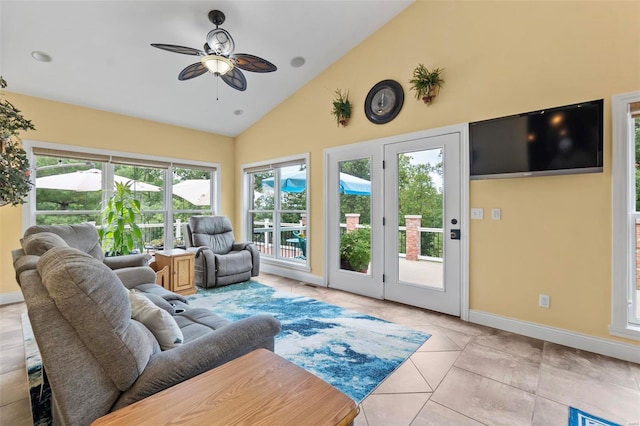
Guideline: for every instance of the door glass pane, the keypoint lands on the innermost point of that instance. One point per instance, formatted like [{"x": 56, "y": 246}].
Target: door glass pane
[
  {"x": 420, "y": 218},
  {"x": 355, "y": 215}
]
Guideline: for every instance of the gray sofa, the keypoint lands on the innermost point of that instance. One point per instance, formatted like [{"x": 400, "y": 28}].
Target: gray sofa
[
  {"x": 96, "y": 356},
  {"x": 219, "y": 259}
]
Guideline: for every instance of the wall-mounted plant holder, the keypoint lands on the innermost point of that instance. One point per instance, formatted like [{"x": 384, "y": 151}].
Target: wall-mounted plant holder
[
  {"x": 341, "y": 107},
  {"x": 426, "y": 83}
]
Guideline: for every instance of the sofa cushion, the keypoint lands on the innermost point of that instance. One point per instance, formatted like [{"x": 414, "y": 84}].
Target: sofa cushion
[
  {"x": 92, "y": 299},
  {"x": 235, "y": 262},
  {"x": 82, "y": 236},
  {"x": 38, "y": 244},
  {"x": 157, "y": 320}
]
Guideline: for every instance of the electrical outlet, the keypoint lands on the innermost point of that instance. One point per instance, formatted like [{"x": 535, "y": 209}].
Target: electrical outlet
[
  {"x": 495, "y": 214},
  {"x": 477, "y": 214},
  {"x": 544, "y": 300}
]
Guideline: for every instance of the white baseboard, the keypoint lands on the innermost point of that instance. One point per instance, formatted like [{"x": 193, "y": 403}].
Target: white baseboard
[
  {"x": 294, "y": 274},
  {"x": 560, "y": 336},
  {"x": 13, "y": 297}
]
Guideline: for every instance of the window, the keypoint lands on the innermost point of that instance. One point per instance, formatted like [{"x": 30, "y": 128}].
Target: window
[
  {"x": 277, "y": 211},
  {"x": 72, "y": 186},
  {"x": 625, "y": 309}
]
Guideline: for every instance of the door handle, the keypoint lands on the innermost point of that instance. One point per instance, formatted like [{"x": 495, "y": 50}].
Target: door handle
[{"x": 455, "y": 234}]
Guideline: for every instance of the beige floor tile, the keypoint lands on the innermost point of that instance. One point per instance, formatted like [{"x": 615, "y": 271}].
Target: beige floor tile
[
  {"x": 434, "y": 414},
  {"x": 459, "y": 338},
  {"x": 16, "y": 414},
  {"x": 361, "y": 419},
  {"x": 513, "y": 344},
  {"x": 547, "y": 412},
  {"x": 13, "y": 386},
  {"x": 393, "y": 409},
  {"x": 434, "y": 365},
  {"x": 484, "y": 400},
  {"x": 603, "y": 399},
  {"x": 635, "y": 370},
  {"x": 406, "y": 379},
  {"x": 11, "y": 338},
  {"x": 438, "y": 341},
  {"x": 457, "y": 324},
  {"x": 595, "y": 366},
  {"x": 11, "y": 359},
  {"x": 501, "y": 366}
]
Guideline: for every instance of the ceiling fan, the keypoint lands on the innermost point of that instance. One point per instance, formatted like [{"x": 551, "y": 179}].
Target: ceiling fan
[{"x": 218, "y": 58}]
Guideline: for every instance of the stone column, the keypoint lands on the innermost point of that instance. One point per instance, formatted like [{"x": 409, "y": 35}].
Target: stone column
[
  {"x": 412, "y": 241},
  {"x": 353, "y": 219}
]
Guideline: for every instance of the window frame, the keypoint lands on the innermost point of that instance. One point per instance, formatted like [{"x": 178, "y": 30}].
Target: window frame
[
  {"x": 623, "y": 218},
  {"x": 112, "y": 158},
  {"x": 247, "y": 204}
]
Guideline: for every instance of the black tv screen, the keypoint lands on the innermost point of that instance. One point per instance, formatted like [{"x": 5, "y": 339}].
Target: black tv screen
[{"x": 559, "y": 140}]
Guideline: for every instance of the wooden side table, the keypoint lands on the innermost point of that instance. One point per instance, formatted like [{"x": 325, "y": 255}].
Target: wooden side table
[
  {"x": 258, "y": 389},
  {"x": 180, "y": 266}
]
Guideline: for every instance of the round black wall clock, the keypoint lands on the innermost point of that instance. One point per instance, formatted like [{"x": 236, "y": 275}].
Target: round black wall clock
[{"x": 384, "y": 101}]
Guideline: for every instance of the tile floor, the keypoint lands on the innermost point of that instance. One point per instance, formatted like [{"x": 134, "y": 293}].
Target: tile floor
[{"x": 465, "y": 374}]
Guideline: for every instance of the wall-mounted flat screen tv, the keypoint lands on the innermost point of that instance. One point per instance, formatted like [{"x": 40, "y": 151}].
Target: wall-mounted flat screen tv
[{"x": 561, "y": 140}]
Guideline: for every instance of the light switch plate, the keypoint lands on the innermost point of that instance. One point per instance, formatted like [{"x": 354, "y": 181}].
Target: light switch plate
[
  {"x": 495, "y": 214},
  {"x": 477, "y": 214}
]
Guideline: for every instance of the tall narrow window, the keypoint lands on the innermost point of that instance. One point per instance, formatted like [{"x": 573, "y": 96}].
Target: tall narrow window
[
  {"x": 625, "y": 309},
  {"x": 277, "y": 213}
]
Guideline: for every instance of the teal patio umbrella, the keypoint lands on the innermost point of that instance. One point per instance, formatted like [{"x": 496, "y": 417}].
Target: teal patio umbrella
[{"x": 297, "y": 182}]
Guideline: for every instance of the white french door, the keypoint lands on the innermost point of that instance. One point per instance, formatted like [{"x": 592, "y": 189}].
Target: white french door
[
  {"x": 411, "y": 219},
  {"x": 422, "y": 252}
]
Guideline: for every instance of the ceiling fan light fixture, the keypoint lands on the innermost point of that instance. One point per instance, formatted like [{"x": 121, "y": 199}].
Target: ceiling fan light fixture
[{"x": 217, "y": 65}]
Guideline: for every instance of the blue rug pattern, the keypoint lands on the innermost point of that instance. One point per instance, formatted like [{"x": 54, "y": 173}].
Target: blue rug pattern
[
  {"x": 39, "y": 390},
  {"x": 351, "y": 351},
  {"x": 580, "y": 418}
]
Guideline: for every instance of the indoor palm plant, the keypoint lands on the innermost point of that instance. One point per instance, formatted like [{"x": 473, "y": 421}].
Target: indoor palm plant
[
  {"x": 15, "y": 181},
  {"x": 355, "y": 250},
  {"x": 426, "y": 83},
  {"x": 341, "y": 108},
  {"x": 119, "y": 233}
]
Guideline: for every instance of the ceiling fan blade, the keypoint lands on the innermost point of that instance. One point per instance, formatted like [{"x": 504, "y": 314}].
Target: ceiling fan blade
[
  {"x": 179, "y": 49},
  {"x": 192, "y": 71},
  {"x": 252, "y": 63},
  {"x": 235, "y": 79}
]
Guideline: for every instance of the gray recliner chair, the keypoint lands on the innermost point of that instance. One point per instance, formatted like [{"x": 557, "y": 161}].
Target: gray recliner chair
[{"x": 219, "y": 259}]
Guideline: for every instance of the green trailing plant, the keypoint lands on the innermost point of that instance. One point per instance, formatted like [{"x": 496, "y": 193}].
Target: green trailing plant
[
  {"x": 355, "y": 249},
  {"x": 119, "y": 233},
  {"x": 15, "y": 174},
  {"x": 341, "y": 107},
  {"x": 426, "y": 83}
]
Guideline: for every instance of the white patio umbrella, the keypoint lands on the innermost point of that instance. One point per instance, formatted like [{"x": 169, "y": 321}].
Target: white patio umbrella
[
  {"x": 195, "y": 191},
  {"x": 87, "y": 181}
]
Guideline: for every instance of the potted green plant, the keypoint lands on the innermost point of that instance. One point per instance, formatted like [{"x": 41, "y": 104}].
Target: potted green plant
[
  {"x": 119, "y": 233},
  {"x": 15, "y": 175},
  {"x": 355, "y": 250},
  {"x": 341, "y": 108},
  {"x": 426, "y": 83}
]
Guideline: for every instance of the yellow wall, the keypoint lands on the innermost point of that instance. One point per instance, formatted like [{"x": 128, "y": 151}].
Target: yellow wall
[
  {"x": 72, "y": 125},
  {"x": 500, "y": 58}
]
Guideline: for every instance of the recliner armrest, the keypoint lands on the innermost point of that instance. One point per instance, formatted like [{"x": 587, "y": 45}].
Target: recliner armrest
[
  {"x": 127, "y": 260},
  {"x": 210, "y": 350},
  {"x": 132, "y": 277}
]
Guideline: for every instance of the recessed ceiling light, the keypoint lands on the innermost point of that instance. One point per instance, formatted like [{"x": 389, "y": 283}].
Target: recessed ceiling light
[
  {"x": 238, "y": 112},
  {"x": 298, "y": 61},
  {"x": 40, "y": 56}
]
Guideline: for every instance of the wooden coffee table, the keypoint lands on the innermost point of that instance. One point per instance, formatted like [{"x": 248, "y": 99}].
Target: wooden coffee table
[{"x": 260, "y": 388}]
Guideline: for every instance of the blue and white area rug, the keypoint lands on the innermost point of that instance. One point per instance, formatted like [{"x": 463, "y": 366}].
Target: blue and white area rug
[
  {"x": 351, "y": 351},
  {"x": 580, "y": 418}
]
